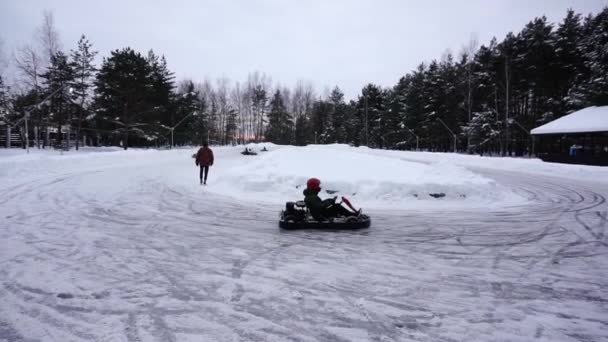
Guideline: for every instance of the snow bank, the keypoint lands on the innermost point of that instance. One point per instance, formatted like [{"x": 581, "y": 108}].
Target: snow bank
[
  {"x": 368, "y": 179},
  {"x": 512, "y": 164},
  {"x": 371, "y": 178}
]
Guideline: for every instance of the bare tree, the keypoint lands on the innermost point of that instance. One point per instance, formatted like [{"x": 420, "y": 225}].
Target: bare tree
[
  {"x": 3, "y": 58},
  {"x": 309, "y": 96},
  {"x": 297, "y": 100},
  {"x": 30, "y": 66},
  {"x": 287, "y": 96},
  {"x": 468, "y": 52},
  {"x": 258, "y": 86},
  {"x": 48, "y": 36},
  {"x": 222, "y": 107},
  {"x": 239, "y": 103}
]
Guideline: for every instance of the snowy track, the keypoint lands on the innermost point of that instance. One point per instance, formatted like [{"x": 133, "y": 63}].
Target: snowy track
[{"x": 161, "y": 261}]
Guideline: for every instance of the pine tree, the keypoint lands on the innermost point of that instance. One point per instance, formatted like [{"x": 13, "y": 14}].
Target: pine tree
[
  {"x": 319, "y": 121},
  {"x": 535, "y": 73},
  {"x": 189, "y": 113},
  {"x": 410, "y": 103},
  {"x": 395, "y": 135},
  {"x": 57, "y": 79},
  {"x": 4, "y": 104},
  {"x": 125, "y": 93},
  {"x": 335, "y": 129},
  {"x": 163, "y": 84},
  {"x": 279, "y": 121},
  {"x": 84, "y": 71},
  {"x": 594, "y": 88},
  {"x": 19, "y": 104},
  {"x": 3, "y": 99},
  {"x": 371, "y": 108},
  {"x": 301, "y": 131},
  {"x": 569, "y": 59},
  {"x": 199, "y": 128},
  {"x": 482, "y": 129},
  {"x": 259, "y": 107}
]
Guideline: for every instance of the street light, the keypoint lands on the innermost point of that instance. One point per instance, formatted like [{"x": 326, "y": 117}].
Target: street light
[
  {"x": 37, "y": 106},
  {"x": 513, "y": 121},
  {"x": 448, "y": 128},
  {"x": 172, "y": 129},
  {"x": 414, "y": 134}
]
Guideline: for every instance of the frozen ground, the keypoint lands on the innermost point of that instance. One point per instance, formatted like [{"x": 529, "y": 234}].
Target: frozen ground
[{"x": 126, "y": 246}]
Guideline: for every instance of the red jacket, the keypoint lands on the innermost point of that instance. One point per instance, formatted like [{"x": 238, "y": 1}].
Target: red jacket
[{"x": 204, "y": 157}]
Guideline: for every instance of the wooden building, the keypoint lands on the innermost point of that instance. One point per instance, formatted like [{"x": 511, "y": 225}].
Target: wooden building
[{"x": 577, "y": 138}]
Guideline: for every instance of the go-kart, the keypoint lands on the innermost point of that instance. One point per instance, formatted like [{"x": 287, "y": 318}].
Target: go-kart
[
  {"x": 249, "y": 152},
  {"x": 297, "y": 216}
]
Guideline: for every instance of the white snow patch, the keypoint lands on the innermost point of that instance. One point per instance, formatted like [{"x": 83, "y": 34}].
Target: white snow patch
[
  {"x": 590, "y": 119},
  {"x": 369, "y": 179}
]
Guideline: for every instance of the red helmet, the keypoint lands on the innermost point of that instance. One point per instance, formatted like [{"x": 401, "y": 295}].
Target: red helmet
[{"x": 313, "y": 184}]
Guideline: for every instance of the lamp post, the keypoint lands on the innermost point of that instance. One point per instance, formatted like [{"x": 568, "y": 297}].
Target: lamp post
[
  {"x": 27, "y": 114},
  {"x": 414, "y": 134},
  {"x": 513, "y": 121},
  {"x": 172, "y": 129},
  {"x": 448, "y": 128},
  {"x": 396, "y": 132}
]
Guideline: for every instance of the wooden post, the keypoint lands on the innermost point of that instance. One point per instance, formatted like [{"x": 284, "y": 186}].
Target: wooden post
[
  {"x": 8, "y": 137},
  {"x": 36, "y": 140},
  {"x": 48, "y": 136}
]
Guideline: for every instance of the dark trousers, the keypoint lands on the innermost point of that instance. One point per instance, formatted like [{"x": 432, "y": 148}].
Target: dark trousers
[{"x": 205, "y": 171}]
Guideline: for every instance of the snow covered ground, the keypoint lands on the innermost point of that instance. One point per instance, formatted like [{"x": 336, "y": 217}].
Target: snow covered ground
[
  {"x": 110, "y": 245},
  {"x": 372, "y": 180}
]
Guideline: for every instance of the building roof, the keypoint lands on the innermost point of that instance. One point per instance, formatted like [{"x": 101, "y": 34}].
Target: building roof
[{"x": 590, "y": 119}]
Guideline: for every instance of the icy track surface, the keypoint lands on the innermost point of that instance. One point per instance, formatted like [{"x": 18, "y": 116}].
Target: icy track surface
[{"x": 126, "y": 246}]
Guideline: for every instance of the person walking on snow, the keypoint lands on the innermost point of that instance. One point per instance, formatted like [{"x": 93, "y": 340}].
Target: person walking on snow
[
  {"x": 322, "y": 209},
  {"x": 204, "y": 159}
]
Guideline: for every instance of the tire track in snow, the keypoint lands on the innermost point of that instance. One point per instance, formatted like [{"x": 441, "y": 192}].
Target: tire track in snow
[{"x": 195, "y": 250}]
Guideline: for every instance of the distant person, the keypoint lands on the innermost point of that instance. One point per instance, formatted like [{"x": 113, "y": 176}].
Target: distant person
[
  {"x": 573, "y": 150},
  {"x": 204, "y": 159},
  {"x": 322, "y": 209}
]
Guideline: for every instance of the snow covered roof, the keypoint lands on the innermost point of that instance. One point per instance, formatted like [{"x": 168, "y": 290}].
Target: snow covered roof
[{"x": 590, "y": 119}]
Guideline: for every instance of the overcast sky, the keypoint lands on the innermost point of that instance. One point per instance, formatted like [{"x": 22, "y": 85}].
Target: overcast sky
[{"x": 344, "y": 42}]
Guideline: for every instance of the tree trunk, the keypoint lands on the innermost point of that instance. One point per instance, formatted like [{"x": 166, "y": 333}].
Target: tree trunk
[{"x": 508, "y": 137}]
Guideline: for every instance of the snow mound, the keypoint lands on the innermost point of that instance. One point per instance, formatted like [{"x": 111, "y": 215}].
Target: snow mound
[{"x": 369, "y": 180}]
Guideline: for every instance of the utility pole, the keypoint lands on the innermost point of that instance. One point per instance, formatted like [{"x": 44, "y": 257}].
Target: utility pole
[{"x": 27, "y": 137}]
